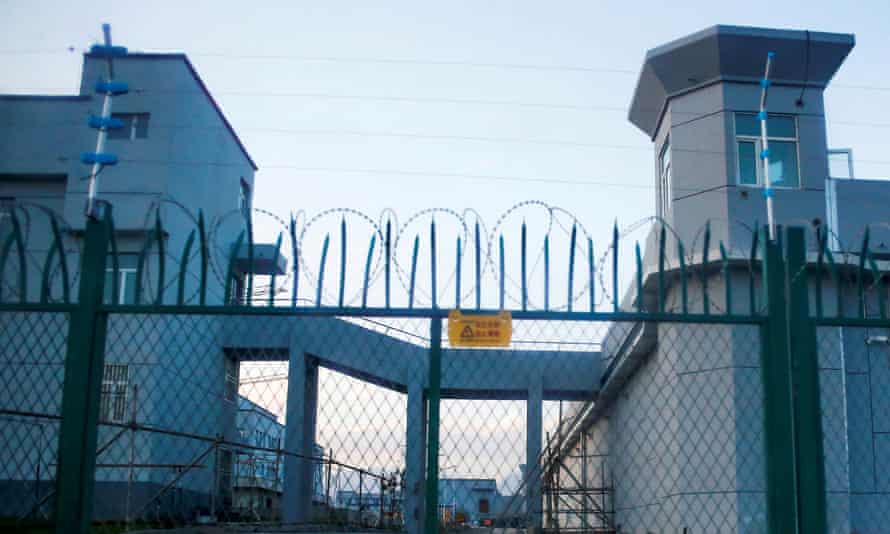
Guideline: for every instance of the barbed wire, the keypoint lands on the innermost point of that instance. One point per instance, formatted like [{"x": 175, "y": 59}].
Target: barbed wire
[{"x": 556, "y": 221}]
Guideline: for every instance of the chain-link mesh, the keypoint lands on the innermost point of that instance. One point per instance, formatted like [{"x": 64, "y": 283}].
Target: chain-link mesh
[
  {"x": 577, "y": 426},
  {"x": 854, "y": 374},
  {"x": 673, "y": 440},
  {"x": 260, "y": 419},
  {"x": 32, "y": 358}
]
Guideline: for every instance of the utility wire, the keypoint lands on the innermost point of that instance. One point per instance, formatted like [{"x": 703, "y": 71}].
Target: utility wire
[
  {"x": 434, "y": 100},
  {"x": 413, "y": 135},
  {"x": 402, "y": 61}
]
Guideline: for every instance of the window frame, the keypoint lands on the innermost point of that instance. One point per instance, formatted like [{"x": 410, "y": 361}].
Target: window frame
[
  {"x": 665, "y": 188},
  {"x": 7, "y": 204},
  {"x": 231, "y": 379},
  {"x": 124, "y": 273},
  {"x": 131, "y": 122},
  {"x": 245, "y": 197},
  {"x": 758, "y": 148},
  {"x": 115, "y": 393}
]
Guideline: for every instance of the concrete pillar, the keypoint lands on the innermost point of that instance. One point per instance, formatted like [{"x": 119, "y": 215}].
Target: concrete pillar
[
  {"x": 534, "y": 413},
  {"x": 299, "y": 437},
  {"x": 415, "y": 459}
]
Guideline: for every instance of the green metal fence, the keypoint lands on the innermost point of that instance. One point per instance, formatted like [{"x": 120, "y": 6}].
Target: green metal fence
[{"x": 719, "y": 398}]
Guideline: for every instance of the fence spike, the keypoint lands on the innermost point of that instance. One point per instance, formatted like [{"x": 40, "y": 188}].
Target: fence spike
[
  {"x": 835, "y": 275},
  {"x": 502, "y": 270},
  {"x": 367, "y": 277},
  {"x": 387, "y": 244},
  {"x": 295, "y": 262},
  {"x": 724, "y": 258},
  {"x": 478, "y": 268},
  {"x": 572, "y": 267},
  {"x": 140, "y": 267},
  {"x": 684, "y": 287},
  {"x": 4, "y": 252},
  {"x": 523, "y": 266},
  {"x": 342, "y": 289},
  {"x": 820, "y": 266},
  {"x": 413, "y": 271},
  {"x": 202, "y": 238},
  {"x": 639, "y": 259},
  {"x": 159, "y": 236},
  {"x": 662, "y": 238},
  {"x": 752, "y": 294},
  {"x": 115, "y": 261},
  {"x": 47, "y": 265},
  {"x": 20, "y": 252},
  {"x": 230, "y": 272},
  {"x": 457, "y": 275},
  {"x": 433, "y": 262},
  {"x": 249, "y": 298},
  {"x": 706, "y": 250},
  {"x": 878, "y": 280},
  {"x": 15, "y": 237},
  {"x": 324, "y": 258},
  {"x": 546, "y": 272},
  {"x": 183, "y": 266},
  {"x": 275, "y": 255},
  {"x": 860, "y": 273},
  {"x": 591, "y": 271},
  {"x": 58, "y": 249},
  {"x": 615, "y": 300}
]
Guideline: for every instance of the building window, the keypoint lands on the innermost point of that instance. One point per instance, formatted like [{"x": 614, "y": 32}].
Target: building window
[
  {"x": 231, "y": 392},
  {"x": 238, "y": 291},
  {"x": 113, "y": 403},
  {"x": 483, "y": 506},
  {"x": 135, "y": 126},
  {"x": 127, "y": 264},
  {"x": 244, "y": 198},
  {"x": 7, "y": 204},
  {"x": 782, "y": 140},
  {"x": 664, "y": 179}
]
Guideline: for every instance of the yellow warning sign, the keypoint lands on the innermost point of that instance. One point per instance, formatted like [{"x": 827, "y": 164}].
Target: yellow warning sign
[{"x": 479, "y": 329}]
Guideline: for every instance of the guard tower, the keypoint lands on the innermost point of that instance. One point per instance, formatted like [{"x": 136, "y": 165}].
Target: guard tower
[{"x": 697, "y": 99}]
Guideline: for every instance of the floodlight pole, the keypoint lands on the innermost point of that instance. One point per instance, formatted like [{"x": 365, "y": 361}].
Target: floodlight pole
[{"x": 764, "y": 153}]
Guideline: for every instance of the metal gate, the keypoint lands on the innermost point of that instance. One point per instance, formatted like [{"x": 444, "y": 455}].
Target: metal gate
[{"x": 694, "y": 406}]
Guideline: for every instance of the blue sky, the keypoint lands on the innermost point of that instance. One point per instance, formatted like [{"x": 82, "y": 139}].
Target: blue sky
[{"x": 409, "y": 105}]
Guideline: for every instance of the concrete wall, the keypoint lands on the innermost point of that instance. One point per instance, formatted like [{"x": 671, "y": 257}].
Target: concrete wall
[
  {"x": 862, "y": 203},
  {"x": 190, "y": 161},
  {"x": 682, "y": 439},
  {"x": 176, "y": 383},
  {"x": 704, "y": 162}
]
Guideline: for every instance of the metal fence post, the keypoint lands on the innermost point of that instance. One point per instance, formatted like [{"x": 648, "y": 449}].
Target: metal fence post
[
  {"x": 433, "y": 398},
  {"x": 84, "y": 365},
  {"x": 781, "y": 491},
  {"x": 805, "y": 379}
]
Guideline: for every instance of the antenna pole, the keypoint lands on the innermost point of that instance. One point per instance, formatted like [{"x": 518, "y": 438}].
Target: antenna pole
[{"x": 764, "y": 153}]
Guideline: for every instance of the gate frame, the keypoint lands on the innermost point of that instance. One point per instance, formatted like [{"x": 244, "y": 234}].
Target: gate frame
[{"x": 795, "y": 489}]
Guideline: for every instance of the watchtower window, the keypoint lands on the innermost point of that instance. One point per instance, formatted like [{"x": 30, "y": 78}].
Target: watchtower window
[
  {"x": 782, "y": 142},
  {"x": 664, "y": 179}
]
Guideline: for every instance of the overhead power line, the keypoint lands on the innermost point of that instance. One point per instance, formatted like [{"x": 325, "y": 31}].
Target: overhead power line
[
  {"x": 405, "y": 62},
  {"x": 415, "y": 135},
  {"x": 420, "y": 173},
  {"x": 431, "y": 100}
]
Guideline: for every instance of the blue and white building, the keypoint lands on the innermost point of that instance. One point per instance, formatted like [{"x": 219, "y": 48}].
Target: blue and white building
[{"x": 178, "y": 155}]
